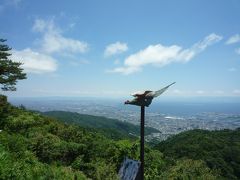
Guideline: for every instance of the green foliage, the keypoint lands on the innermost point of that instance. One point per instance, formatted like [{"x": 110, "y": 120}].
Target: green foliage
[
  {"x": 55, "y": 148},
  {"x": 219, "y": 149},
  {"x": 154, "y": 164},
  {"x": 4, "y": 109},
  {"x": 23, "y": 122},
  {"x": 111, "y": 128},
  {"x": 188, "y": 169},
  {"x": 50, "y": 148},
  {"x": 16, "y": 162},
  {"x": 98, "y": 169},
  {"x": 33, "y": 146},
  {"x": 10, "y": 71}
]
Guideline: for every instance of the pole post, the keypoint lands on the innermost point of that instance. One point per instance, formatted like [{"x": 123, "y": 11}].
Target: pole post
[{"x": 142, "y": 143}]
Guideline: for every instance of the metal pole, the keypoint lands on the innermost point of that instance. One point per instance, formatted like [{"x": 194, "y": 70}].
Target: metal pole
[{"x": 142, "y": 143}]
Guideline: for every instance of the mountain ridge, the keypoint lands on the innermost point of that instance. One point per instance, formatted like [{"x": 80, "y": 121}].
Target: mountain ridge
[{"x": 107, "y": 126}]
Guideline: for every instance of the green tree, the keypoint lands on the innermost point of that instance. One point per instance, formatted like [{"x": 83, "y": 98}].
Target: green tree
[
  {"x": 188, "y": 169},
  {"x": 10, "y": 71},
  {"x": 4, "y": 109}
]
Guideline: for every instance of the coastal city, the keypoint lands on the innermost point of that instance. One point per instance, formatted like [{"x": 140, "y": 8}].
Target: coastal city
[{"x": 167, "y": 123}]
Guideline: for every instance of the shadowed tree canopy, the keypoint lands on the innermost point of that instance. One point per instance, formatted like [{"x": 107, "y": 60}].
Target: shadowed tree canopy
[{"x": 10, "y": 72}]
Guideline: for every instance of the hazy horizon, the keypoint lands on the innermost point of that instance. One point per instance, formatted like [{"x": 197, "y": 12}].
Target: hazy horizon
[{"x": 161, "y": 98}]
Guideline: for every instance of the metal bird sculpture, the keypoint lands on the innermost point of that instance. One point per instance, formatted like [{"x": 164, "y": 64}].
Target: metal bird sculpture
[{"x": 145, "y": 98}]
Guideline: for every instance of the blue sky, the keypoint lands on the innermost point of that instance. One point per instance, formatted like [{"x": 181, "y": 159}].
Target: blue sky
[{"x": 113, "y": 48}]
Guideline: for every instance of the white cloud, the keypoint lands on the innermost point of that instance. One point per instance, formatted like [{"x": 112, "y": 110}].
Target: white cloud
[
  {"x": 115, "y": 48},
  {"x": 160, "y": 55},
  {"x": 197, "y": 48},
  {"x": 54, "y": 42},
  {"x": 153, "y": 54},
  {"x": 34, "y": 62},
  {"x": 41, "y": 25},
  {"x": 124, "y": 70},
  {"x": 233, "y": 39}
]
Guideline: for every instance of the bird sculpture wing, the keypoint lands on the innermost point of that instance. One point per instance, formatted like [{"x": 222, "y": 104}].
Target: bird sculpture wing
[{"x": 154, "y": 94}]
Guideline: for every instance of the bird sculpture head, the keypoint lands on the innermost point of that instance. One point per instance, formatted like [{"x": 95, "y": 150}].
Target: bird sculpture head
[{"x": 127, "y": 102}]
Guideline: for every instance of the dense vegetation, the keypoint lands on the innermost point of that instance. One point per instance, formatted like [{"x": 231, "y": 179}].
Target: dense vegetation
[
  {"x": 33, "y": 146},
  {"x": 220, "y": 150},
  {"x": 111, "y": 128}
]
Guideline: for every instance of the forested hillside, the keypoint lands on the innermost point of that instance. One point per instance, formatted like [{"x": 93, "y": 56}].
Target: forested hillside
[
  {"x": 33, "y": 146},
  {"x": 38, "y": 147},
  {"x": 219, "y": 149},
  {"x": 111, "y": 128}
]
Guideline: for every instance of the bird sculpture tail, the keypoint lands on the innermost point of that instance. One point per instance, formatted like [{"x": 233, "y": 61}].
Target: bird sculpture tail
[{"x": 159, "y": 92}]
